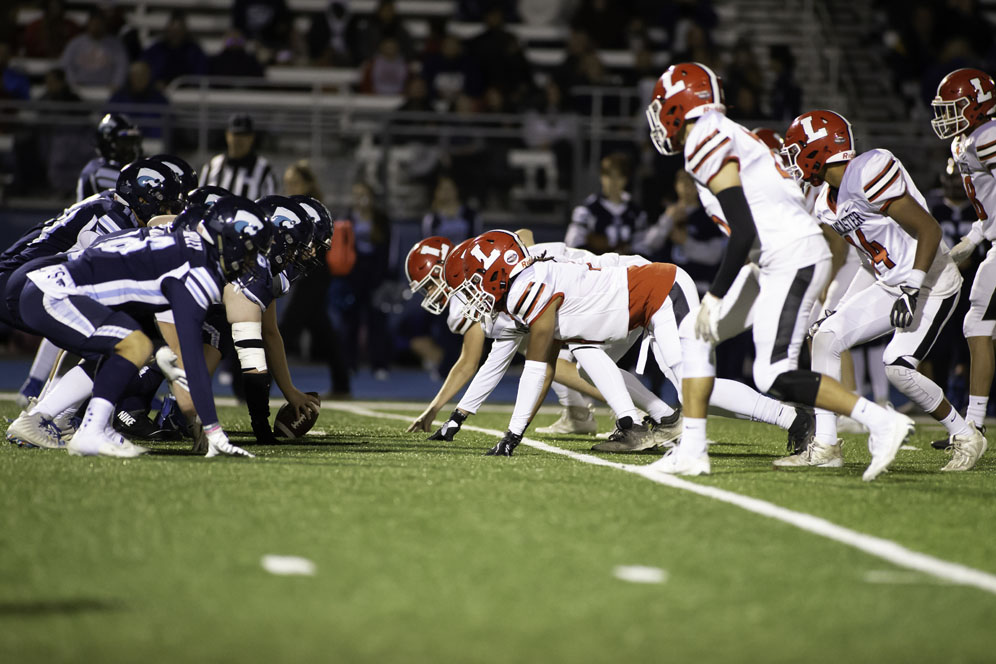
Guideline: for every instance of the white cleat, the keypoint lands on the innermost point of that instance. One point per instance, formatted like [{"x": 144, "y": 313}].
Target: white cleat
[
  {"x": 34, "y": 430},
  {"x": 847, "y": 424},
  {"x": 966, "y": 449},
  {"x": 66, "y": 426},
  {"x": 109, "y": 443},
  {"x": 816, "y": 454},
  {"x": 884, "y": 444},
  {"x": 675, "y": 463},
  {"x": 573, "y": 420}
]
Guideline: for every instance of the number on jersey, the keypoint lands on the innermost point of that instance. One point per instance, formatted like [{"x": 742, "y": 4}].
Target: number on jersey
[
  {"x": 980, "y": 211},
  {"x": 878, "y": 254}
]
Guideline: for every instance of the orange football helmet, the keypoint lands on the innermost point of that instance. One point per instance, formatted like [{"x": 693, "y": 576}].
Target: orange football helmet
[
  {"x": 424, "y": 270},
  {"x": 684, "y": 91},
  {"x": 815, "y": 139},
  {"x": 490, "y": 262},
  {"x": 965, "y": 99}
]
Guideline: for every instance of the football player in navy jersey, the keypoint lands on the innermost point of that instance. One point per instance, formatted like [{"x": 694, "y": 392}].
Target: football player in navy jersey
[
  {"x": 88, "y": 306},
  {"x": 119, "y": 142}
]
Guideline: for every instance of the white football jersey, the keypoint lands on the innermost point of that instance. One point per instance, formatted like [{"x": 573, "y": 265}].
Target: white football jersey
[
  {"x": 975, "y": 156},
  {"x": 499, "y": 327},
  {"x": 776, "y": 202},
  {"x": 872, "y": 182},
  {"x": 595, "y": 303},
  {"x": 562, "y": 252}
]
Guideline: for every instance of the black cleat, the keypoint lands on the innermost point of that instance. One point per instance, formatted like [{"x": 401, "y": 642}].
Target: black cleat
[
  {"x": 801, "y": 430},
  {"x": 136, "y": 424}
]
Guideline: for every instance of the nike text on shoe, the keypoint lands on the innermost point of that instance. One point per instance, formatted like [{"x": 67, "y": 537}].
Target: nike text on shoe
[{"x": 884, "y": 444}]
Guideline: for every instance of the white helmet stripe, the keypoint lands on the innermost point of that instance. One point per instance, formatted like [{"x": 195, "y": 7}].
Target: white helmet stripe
[{"x": 713, "y": 82}]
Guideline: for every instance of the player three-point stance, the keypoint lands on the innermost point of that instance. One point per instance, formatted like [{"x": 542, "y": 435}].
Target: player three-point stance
[
  {"x": 870, "y": 200},
  {"x": 964, "y": 110},
  {"x": 759, "y": 201}
]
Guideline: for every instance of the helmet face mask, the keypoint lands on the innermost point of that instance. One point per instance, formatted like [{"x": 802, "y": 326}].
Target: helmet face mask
[
  {"x": 424, "y": 269},
  {"x": 238, "y": 230},
  {"x": 965, "y": 99},
  {"x": 292, "y": 230},
  {"x": 490, "y": 262},
  {"x": 118, "y": 140},
  {"x": 815, "y": 140}
]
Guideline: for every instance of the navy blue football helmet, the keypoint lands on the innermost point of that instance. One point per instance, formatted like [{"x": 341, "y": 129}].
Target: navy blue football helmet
[
  {"x": 321, "y": 240},
  {"x": 238, "y": 230},
  {"x": 150, "y": 188},
  {"x": 292, "y": 230},
  {"x": 183, "y": 170},
  {"x": 118, "y": 139}
]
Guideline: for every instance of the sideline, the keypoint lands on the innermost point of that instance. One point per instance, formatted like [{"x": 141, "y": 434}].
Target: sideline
[{"x": 875, "y": 546}]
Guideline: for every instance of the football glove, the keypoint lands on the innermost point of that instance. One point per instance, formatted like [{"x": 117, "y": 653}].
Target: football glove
[
  {"x": 707, "y": 321},
  {"x": 218, "y": 443},
  {"x": 962, "y": 250},
  {"x": 450, "y": 427},
  {"x": 904, "y": 308},
  {"x": 506, "y": 445},
  {"x": 169, "y": 364}
]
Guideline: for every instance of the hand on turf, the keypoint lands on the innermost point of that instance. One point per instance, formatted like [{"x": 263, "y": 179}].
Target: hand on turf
[
  {"x": 301, "y": 402},
  {"x": 506, "y": 446},
  {"x": 218, "y": 443},
  {"x": 962, "y": 250},
  {"x": 424, "y": 421},
  {"x": 450, "y": 427},
  {"x": 904, "y": 308},
  {"x": 169, "y": 364},
  {"x": 707, "y": 321}
]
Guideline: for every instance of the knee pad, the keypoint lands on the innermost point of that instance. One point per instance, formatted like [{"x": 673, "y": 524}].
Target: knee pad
[
  {"x": 796, "y": 386},
  {"x": 922, "y": 391},
  {"x": 248, "y": 339}
]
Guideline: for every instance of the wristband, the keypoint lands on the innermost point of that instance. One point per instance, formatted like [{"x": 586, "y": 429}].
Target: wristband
[{"x": 915, "y": 280}]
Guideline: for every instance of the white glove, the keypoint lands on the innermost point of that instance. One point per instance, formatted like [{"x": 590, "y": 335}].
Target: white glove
[
  {"x": 169, "y": 364},
  {"x": 707, "y": 321},
  {"x": 218, "y": 443},
  {"x": 962, "y": 250}
]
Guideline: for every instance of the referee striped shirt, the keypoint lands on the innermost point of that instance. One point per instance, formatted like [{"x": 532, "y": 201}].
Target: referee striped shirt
[{"x": 250, "y": 176}]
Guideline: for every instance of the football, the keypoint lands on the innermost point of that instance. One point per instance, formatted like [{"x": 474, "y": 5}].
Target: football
[{"x": 289, "y": 425}]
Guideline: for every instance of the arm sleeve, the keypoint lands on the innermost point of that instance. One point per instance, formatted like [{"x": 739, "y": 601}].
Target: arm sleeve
[
  {"x": 189, "y": 318},
  {"x": 490, "y": 373},
  {"x": 742, "y": 234}
]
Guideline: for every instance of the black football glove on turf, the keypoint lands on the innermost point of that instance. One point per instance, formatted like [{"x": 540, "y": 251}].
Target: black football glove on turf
[
  {"x": 450, "y": 427},
  {"x": 506, "y": 445}
]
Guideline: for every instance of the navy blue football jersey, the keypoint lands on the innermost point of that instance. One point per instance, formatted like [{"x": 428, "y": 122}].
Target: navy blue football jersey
[
  {"x": 261, "y": 287},
  {"x": 98, "y": 174},
  {"x": 75, "y": 229}
]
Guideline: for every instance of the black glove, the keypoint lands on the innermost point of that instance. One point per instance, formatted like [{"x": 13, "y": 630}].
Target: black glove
[
  {"x": 904, "y": 308},
  {"x": 506, "y": 445},
  {"x": 450, "y": 427}
]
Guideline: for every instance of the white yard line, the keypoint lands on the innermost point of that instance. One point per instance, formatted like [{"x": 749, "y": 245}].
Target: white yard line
[{"x": 874, "y": 546}]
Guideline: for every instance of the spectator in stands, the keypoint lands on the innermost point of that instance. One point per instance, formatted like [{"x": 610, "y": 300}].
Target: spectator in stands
[
  {"x": 448, "y": 215},
  {"x": 117, "y": 24},
  {"x": 387, "y": 71},
  {"x": 267, "y": 22},
  {"x": 234, "y": 60},
  {"x": 786, "y": 93},
  {"x": 333, "y": 38},
  {"x": 491, "y": 47},
  {"x": 140, "y": 90},
  {"x": 569, "y": 72},
  {"x": 95, "y": 57},
  {"x": 239, "y": 169},
  {"x": 698, "y": 47},
  {"x": 515, "y": 79},
  {"x": 57, "y": 88},
  {"x": 384, "y": 23},
  {"x": 46, "y": 37},
  {"x": 353, "y": 295},
  {"x": 450, "y": 72},
  {"x": 14, "y": 84},
  {"x": 176, "y": 53},
  {"x": 609, "y": 220},
  {"x": 547, "y": 126},
  {"x": 605, "y": 22},
  {"x": 416, "y": 96},
  {"x": 306, "y": 308}
]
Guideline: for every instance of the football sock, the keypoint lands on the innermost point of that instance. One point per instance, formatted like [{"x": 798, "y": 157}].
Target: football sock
[
  {"x": 142, "y": 390},
  {"x": 644, "y": 399},
  {"x": 744, "y": 402},
  {"x": 955, "y": 423},
  {"x": 826, "y": 427},
  {"x": 870, "y": 414},
  {"x": 977, "y": 409},
  {"x": 606, "y": 376},
  {"x": 693, "y": 437},
  {"x": 113, "y": 378},
  {"x": 568, "y": 397},
  {"x": 96, "y": 418},
  {"x": 71, "y": 390}
]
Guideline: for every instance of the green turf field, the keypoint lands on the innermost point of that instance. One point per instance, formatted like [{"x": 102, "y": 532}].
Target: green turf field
[{"x": 429, "y": 552}]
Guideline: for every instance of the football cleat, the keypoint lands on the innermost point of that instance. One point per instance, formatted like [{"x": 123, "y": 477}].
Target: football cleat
[
  {"x": 966, "y": 449},
  {"x": 573, "y": 420},
  {"x": 34, "y": 430},
  {"x": 847, "y": 424},
  {"x": 137, "y": 424},
  {"x": 884, "y": 444},
  {"x": 816, "y": 454},
  {"x": 676, "y": 463},
  {"x": 801, "y": 430},
  {"x": 667, "y": 432},
  {"x": 108, "y": 443},
  {"x": 628, "y": 437}
]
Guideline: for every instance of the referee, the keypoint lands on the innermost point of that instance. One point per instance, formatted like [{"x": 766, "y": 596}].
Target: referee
[{"x": 240, "y": 170}]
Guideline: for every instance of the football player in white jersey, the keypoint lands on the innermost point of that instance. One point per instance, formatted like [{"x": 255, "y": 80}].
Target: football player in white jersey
[
  {"x": 759, "y": 200},
  {"x": 587, "y": 307},
  {"x": 870, "y": 200},
  {"x": 964, "y": 111}
]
